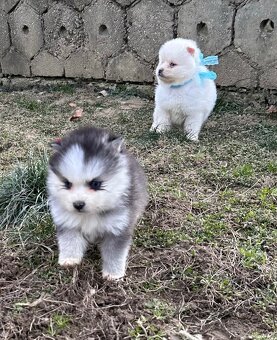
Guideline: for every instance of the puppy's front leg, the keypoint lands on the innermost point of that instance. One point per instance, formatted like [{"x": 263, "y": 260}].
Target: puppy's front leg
[
  {"x": 161, "y": 120},
  {"x": 72, "y": 246},
  {"x": 114, "y": 252},
  {"x": 192, "y": 126}
]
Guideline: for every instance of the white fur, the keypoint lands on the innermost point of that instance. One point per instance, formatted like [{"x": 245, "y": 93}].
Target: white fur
[
  {"x": 89, "y": 221},
  {"x": 79, "y": 173},
  {"x": 189, "y": 105},
  {"x": 73, "y": 165},
  {"x": 116, "y": 268},
  {"x": 106, "y": 214},
  {"x": 92, "y": 225}
]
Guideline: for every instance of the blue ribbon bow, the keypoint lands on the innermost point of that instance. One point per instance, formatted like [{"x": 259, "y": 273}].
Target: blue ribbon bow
[
  {"x": 210, "y": 60},
  {"x": 207, "y": 75}
]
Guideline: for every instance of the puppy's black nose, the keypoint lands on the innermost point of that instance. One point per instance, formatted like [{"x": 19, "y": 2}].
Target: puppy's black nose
[
  {"x": 160, "y": 72},
  {"x": 79, "y": 205}
]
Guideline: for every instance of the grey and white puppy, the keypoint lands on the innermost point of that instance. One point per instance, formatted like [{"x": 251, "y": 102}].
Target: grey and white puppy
[{"x": 97, "y": 192}]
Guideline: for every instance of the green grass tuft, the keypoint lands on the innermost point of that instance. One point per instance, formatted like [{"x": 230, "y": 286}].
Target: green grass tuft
[
  {"x": 244, "y": 171},
  {"x": 29, "y": 104},
  {"x": 63, "y": 88},
  {"x": 58, "y": 323},
  {"x": 23, "y": 197}
]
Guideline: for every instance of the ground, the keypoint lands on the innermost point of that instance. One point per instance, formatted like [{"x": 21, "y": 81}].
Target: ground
[{"x": 204, "y": 258}]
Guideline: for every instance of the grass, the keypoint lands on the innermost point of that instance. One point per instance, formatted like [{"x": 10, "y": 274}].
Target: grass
[
  {"x": 63, "y": 88},
  {"x": 57, "y": 323},
  {"x": 145, "y": 329},
  {"x": 204, "y": 255},
  {"x": 23, "y": 198}
]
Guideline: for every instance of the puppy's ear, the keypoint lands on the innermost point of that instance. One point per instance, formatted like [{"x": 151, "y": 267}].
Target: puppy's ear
[
  {"x": 117, "y": 144},
  {"x": 191, "y": 50},
  {"x": 56, "y": 144}
]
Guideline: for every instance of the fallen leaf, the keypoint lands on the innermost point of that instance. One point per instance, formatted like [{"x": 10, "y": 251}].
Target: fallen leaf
[
  {"x": 78, "y": 113},
  {"x": 104, "y": 93},
  {"x": 272, "y": 109}
]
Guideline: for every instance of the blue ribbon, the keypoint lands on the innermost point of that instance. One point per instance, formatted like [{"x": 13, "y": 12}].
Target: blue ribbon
[
  {"x": 210, "y": 60},
  {"x": 207, "y": 75}
]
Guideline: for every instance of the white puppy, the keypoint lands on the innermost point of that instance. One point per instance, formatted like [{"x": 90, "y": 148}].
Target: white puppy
[{"x": 186, "y": 92}]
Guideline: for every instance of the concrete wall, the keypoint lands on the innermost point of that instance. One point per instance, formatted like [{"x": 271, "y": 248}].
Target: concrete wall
[{"x": 119, "y": 40}]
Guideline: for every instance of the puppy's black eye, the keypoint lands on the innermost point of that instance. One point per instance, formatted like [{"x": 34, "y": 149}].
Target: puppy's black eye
[
  {"x": 95, "y": 185},
  {"x": 67, "y": 184},
  {"x": 172, "y": 64}
]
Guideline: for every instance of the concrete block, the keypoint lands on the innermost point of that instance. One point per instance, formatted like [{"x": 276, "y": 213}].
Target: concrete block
[
  {"x": 236, "y": 2},
  {"x": 64, "y": 31},
  {"x": 78, "y": 4},
  {"x": 84, "y": 64},
  {"x": 234, "y": 71},
  {"x": 46, "y": 65},
  {"x": 4, "y": 33},
  {"x": 15, "y": 63},
  {"x": 207, "y": 22},
  {"x": 19, "y": 84},
  {"x": 26, "y": 30},
  {"x": 125, "y": 2},
  {"x": 268, "y": 79},
  {"x": 8, "y": 5},
  {"x": 176, "y": 2},
  {"x": 256, "y": 31},
  {"x": 150, "y": 25},
  {"x": 104, "y": 24},
  {"x": 39, "y": 5},
  {"x": 126, "y": 67}
]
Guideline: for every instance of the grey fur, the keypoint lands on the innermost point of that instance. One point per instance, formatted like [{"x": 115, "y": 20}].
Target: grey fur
[{"x": 110, "y": 222}]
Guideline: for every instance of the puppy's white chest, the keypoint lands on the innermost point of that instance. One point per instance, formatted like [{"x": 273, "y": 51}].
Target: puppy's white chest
[
  {"x": 177, "y": 112},
  {"x": 112, "y": 223},
  {"x": 171, "y": 98},
  {"x": 176, "y": 103},
  {"x": 92, "y": 227}
]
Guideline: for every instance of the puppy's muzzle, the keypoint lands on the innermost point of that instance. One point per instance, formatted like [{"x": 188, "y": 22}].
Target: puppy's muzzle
[{"x": 79, "y": 205}]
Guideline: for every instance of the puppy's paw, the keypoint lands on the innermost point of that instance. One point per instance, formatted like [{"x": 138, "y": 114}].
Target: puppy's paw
[
  {"x": 113, "y": 276},
  {"x": 69, "y": 262},
  {"x": 159, "y": 128},
  {"x": 192, "y": 137},
  {"x": 153, "y": 128}
]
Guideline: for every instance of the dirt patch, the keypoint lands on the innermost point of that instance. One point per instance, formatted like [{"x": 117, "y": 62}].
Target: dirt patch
[{"x": 204, "y": 255}]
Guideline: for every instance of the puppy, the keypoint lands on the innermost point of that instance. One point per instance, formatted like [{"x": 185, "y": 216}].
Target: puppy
[
  {"x": 186, "y": 92},
  {"x": 97, "y": 191}
]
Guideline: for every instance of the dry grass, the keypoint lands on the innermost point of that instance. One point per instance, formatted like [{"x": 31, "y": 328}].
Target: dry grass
[{"x": 204, "y": 258}]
